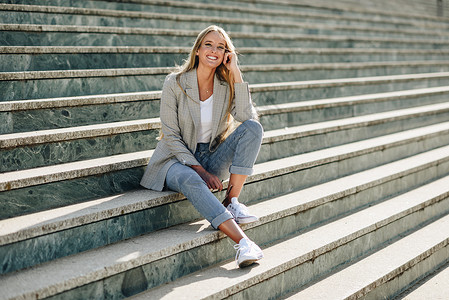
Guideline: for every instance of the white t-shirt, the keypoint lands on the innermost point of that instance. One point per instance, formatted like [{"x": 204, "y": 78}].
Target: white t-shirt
[{"x": 205, "y": 129}]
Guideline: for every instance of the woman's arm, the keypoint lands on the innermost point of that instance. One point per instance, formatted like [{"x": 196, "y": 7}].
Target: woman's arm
[
  {"x": 170, "y": 124},
  {"x": 243, "y": 108}
]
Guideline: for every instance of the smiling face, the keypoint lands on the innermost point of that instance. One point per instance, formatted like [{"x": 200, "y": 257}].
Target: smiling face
[{"x": 212, "y": 50}]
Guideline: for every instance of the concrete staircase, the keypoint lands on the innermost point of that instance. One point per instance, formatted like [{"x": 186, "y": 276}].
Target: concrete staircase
[{"x": 351, "y": 184}]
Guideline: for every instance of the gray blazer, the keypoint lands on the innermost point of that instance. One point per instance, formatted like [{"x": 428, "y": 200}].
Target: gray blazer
[{"x": 180, "y": 117}]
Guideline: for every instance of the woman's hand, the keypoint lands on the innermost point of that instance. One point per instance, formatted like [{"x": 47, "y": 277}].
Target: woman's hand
[
  {"x": 230, "y": 62},
  {"x": 212, "y": 181}
]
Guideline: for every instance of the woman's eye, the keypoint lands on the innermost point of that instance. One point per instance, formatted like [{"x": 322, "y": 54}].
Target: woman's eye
[{"x": 221, "y": 47}]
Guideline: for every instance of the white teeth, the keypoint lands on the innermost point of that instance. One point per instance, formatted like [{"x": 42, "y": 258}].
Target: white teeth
[{"x": 211, "y": 57}]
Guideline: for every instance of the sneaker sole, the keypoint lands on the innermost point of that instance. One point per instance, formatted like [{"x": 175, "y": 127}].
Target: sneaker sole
[
  {"x": 246, "y": 221},
  {"x": 247, "y": 263}
]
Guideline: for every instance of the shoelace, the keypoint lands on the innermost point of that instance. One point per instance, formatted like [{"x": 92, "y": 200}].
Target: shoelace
[
  {"x": 239, "y": 248},
  {"x": 241, "y": 209}
]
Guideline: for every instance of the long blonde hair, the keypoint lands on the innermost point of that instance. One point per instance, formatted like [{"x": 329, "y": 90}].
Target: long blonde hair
[{"x": 221, "y": 71}]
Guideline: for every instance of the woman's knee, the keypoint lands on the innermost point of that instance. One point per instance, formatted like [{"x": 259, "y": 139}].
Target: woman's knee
[
  {"x": 254, "y": 126},
  {"x": 182, "y": 178}
]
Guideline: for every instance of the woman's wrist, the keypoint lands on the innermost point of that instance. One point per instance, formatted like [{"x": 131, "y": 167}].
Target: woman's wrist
[{"x": 237, "y": 74}]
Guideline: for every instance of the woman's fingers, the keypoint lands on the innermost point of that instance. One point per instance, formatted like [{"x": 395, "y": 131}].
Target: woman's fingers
[{"x": 214, "y": 183}]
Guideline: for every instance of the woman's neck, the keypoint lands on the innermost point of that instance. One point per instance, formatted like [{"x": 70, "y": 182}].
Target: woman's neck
[
  {"x": 205, "y": 82},
  {"x": 205, "y": 75}
]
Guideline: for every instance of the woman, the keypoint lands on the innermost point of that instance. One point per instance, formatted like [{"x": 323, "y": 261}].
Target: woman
[{"x": 196, "y": 150}]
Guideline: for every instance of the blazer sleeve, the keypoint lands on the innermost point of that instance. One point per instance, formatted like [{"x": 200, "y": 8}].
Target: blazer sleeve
[
  {"x": 170, "y": 125},
  {"x": 243, "y": 108}
]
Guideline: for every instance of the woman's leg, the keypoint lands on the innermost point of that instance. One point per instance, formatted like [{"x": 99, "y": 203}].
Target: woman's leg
[
  {"x": 236, "y": 155},
  {"x": 232, "y": 230},
  {"x": 183, "y": 179},
  {"x": 236, "y": 182}
]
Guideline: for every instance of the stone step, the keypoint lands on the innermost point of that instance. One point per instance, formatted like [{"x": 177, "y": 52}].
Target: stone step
[
  {"x": 428, "y": 9},
  {"x": 388, "y": 272},
  {"x": 108, "y": 270},
  {"x": 307, "y": 13},
  {"x": 29, "y": 58},
  {"x": 434, "y": 287},
  {"x": 285, "y": 92},
  {"x": 296, "y": 261},
  {"x": 57, "y": 15},
  {"x": 67, "y": 83},
  {"x": 303, "y": 112},
  {"x": 49, "y": 147},
  {"x": 386, "y": 11},
  {"x": 42, "y": 114},
  {"x": 73, "y": 35},
  {"x": 38, "y": 189}
]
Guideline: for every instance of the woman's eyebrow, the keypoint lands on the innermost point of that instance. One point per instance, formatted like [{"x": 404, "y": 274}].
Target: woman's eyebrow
[{"x": 209, "y": 41}]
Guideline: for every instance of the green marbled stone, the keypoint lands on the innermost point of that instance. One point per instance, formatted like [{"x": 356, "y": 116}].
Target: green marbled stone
[
  {"x": 55, "y": 61},
  {"x": 57, "y": 194},
  {"x": 282, "y": 76},
  {"x": 19, "y": 38},
  {"x": 278, "y": 121},
  {"x": 76, "y": 150},
  {"x": 311, "y": 93},
  {"x": 53, "y": 118},
  {"x": 66, "y": 87}
]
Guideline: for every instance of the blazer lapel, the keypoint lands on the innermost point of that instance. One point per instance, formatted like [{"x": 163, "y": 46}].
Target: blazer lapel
[{"x": 193, "y": 97}]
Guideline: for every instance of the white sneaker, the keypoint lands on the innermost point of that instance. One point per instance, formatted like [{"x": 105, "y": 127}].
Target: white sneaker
[
  {"x": 240, "y": 212},
  {"x": 247, "y": 253}
]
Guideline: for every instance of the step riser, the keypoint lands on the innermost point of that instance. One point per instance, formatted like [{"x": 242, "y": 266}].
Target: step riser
[
  {"x": 112, "y": 230},
  {"x": 325, "y": 73},
  {"x": 50, "y": 88},
  {"x": 41, "y": 62},
  {"x": 67, "y": 87},
  {"x": 15, "y": 17},
  {"x": 53, "y": 118},
  {"x": 30, "y": 38},
  {"x": 25, "y": 157},
  {"x": 281, "y": 149},
  {"x": 161, "y": 271},
  {"x": 389, "y": 22},
  {"x": 62, "y": 193},
  {"x": 343, "y": 90},
  {"x": 409, "y": 277},
  {"x": 290, "y": 119},
  {"x": 54, "y": 61},
  {"x": 310, "y": 270},
  {"x": 19, "y": 158}
]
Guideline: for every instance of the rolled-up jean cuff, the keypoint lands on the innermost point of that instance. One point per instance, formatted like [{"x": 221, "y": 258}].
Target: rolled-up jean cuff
[
  {"x": 221, "y": 218},
  {"x": 240, "y": 170}
]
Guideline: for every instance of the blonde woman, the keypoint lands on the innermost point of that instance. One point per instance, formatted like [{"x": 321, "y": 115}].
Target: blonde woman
[{"x": 197, "y": 149}]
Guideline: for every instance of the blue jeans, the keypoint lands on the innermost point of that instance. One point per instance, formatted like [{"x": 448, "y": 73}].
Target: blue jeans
[{"x": 236, "y": 155}]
